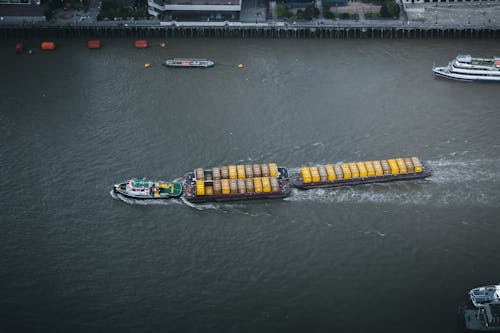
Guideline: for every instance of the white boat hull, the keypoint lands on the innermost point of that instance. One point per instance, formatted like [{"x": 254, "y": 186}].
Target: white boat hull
[{"x": 446, "y": 73}]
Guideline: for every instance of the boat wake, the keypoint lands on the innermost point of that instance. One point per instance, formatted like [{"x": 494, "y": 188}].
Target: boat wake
[
  {"x": 452, "y": 182},
  {"x": 465, "y": 171}
]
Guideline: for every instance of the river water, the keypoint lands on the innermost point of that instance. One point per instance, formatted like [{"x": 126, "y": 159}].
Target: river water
[{"x": 395, "y": 257}]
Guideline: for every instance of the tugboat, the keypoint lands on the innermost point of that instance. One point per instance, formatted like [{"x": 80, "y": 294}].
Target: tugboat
[
  {"x": 142, "y": 188},
  {"x": 347, "y": 174},
  {"x": 188, "y": 63},
  {"x": 467, "y": 68},
  {"x": 236, "y": 182},
  {"x": 483, "y": 312}
]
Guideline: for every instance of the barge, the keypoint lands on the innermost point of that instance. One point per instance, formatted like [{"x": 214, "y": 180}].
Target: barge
[
  {"x": 144, "y": 189},
  {"x": 189, "y": 63},
  {"x": 236, "y": 182},
  {"x": 347, "y": 174},
  {"x": 482, "y": 314},
  {"x": 467, "y": 68}
]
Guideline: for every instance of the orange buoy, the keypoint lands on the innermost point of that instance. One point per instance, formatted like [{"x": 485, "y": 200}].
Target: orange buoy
[
  {"x": 48, "y": 46},
  {"x": 141, "y": 44},
  {"x": 94, "y": 44},
  {"x": 19, "y": 48}
]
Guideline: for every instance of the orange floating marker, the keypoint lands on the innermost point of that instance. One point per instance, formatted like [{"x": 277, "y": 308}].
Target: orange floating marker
[
  {"x": 19, "y": 48},
  {"x": 94, "y": 44},
  {"x": 141, "y": 44},
  {"x": 48, "y": 46}
]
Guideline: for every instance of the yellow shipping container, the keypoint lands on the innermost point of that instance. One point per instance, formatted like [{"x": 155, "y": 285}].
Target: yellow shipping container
[
  {"x": 233, "y": 185},
  {"x": 322, "y": 173},
  {"x": 379, "y": 171},
  {"x": 257, "y": 184},
  {"x": 249, "y": 184},
  {"x": 417, "y": 164},
  {"x": 240, "y": 169},
  {"x": 370, "y": 169},
  {"x": 215, "y": 173},
  {"x": 217, "y": 186},
  {"x": 385, "y": 167},
  {"x": 233, "y": 174},
  {"x": 266, "y": 185},
  {"x": 346, "y": 171},
  {"x": 209, "y": 190},
  {"x": 275, "y": 185},
  {"x": 330, "y": 171},
  {"x": 338, "y": 171},
  {"x": 224, "y": 172},
  {"x": 409, "y": 165},
  {"x": 225, "y": 186},
  {"x": 200, "y": 174},
  {"x": 401, "y": 165},
  {"x": 394, "y": 166},
  {"x": 256, "y": 170},
  {"x": 248, "y": 170},
  {"x": 362, "y": 169},
  {"x": 314, "y": 174},
  {"x": 273, "y": 169},
  {"x": 241, "y": 185},
  {"x": 200, "y": 187},
  {"x": 306, "y": 174},
  {"x": 354, "y": 170},
  {"x": 264, "y": 169}
]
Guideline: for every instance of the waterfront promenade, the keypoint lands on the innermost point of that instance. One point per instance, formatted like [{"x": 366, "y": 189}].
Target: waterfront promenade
[{"x": 416, "y": 20}]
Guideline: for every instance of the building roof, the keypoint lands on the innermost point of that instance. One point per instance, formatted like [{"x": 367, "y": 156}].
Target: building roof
[
  {"x": 202, "y": 2},
  {"x": 20, "y": 10}
]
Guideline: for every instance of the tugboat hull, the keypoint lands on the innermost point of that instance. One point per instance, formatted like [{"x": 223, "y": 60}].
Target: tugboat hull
[{"x": 174, "y": 191}]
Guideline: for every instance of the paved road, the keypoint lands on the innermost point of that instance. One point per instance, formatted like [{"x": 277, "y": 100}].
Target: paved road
[{"x": 442, "y": 16}]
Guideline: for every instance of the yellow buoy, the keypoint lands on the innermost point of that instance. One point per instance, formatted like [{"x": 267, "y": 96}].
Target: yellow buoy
[
  {"x": 146, "y": 65},
  {"x": 240, "y": 66}
]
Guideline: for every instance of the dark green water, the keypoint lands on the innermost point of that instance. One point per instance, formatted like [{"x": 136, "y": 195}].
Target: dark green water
[{"x": 394, "y": 257}]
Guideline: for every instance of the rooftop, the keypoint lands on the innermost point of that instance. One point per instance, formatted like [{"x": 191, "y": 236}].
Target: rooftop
[{"x": 21, "y": 10}]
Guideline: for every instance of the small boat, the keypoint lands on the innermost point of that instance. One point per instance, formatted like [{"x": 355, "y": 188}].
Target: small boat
[
  {"x": 188, "y": 63},
  {"x": 242, "y": 182},
  {"x": 19, "y": 48},
  {"x": 348, "y": 174},
  {"x": 483, "y": 311},
  {"x": 94, "y": 44},
  {"x": 142, "y": 188},
  {"x": 141, "y": 44},
  {"x": 467, "y": 68}
]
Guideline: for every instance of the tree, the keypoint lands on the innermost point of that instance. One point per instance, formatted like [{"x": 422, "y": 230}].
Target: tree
[
  {"x": 389, "y": 9},
  {"x": 310, "y": 12},
  {"x": 282, "y": 11}
]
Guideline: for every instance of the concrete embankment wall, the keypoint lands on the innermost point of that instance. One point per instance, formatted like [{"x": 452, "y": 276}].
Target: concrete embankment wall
[{"x": 249, "y": 32}]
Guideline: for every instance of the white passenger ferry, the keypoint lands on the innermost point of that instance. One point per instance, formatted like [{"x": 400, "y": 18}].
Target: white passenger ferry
[
  {"x": 483, "y": 312},
  {"x": 467, "y": 68}
]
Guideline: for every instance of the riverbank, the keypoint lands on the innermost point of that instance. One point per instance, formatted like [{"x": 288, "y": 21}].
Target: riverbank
[{"x": 241, "y": 30}]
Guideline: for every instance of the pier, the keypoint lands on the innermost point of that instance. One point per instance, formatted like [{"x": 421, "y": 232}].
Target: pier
[{"x": 249, "y": 31}]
